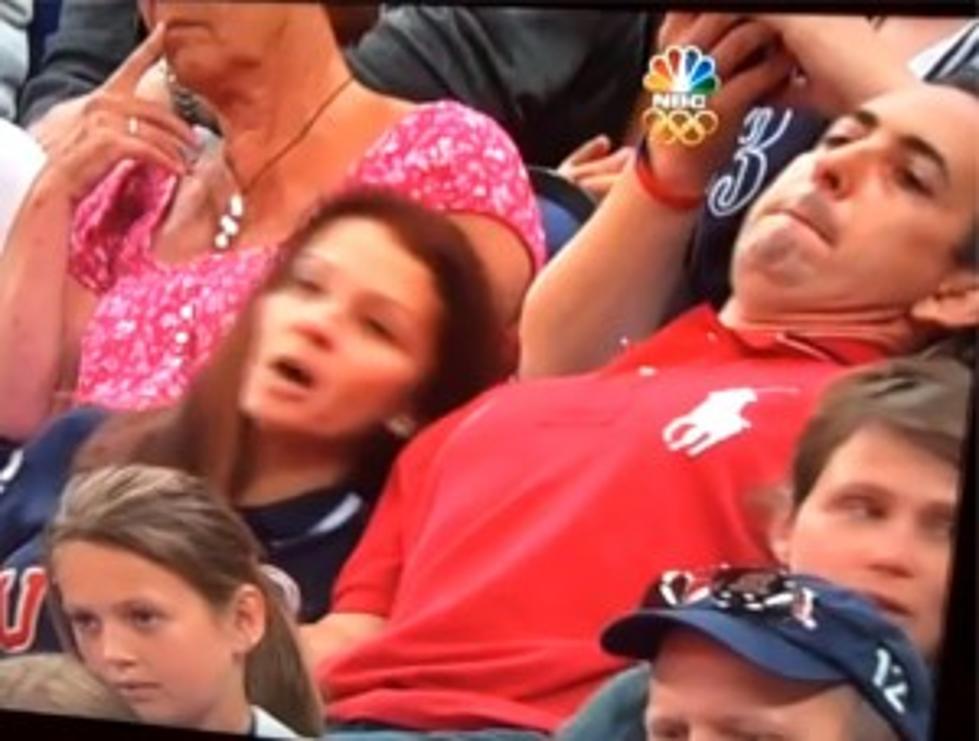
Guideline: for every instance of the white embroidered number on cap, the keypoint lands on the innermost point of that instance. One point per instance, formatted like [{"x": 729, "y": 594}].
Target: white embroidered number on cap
[{"x": 889, "y": 679}]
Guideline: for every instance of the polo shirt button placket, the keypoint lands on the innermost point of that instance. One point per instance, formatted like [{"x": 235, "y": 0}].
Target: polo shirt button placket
[{"x": 184, "y": 335}]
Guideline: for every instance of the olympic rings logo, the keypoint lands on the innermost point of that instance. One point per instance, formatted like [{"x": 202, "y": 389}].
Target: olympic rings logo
[{"x": 679, "y": 125}]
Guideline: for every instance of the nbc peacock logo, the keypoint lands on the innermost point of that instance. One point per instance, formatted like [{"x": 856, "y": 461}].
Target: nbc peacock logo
[{"x": 681, "y": 79}]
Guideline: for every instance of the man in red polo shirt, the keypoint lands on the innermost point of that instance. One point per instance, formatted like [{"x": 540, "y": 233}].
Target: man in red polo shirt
[{"x": 514, "y": 530}]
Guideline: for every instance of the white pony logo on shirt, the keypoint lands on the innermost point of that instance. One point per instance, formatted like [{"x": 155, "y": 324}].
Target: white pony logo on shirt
[{"x": 716, "y": 419}]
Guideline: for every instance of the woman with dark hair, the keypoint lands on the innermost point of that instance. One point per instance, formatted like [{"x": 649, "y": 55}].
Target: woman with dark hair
[
  {"x": 377, "y": 321},
  {"x": 157, "y": 588},
  {"x": 135, "y": 250}
]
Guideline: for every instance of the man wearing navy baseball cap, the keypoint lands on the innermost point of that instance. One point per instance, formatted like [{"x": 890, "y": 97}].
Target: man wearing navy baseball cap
[{"x": 763, "y": 654}]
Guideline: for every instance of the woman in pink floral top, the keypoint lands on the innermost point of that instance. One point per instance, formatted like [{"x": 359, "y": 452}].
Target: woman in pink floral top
[{"x": 111, "y": 289}]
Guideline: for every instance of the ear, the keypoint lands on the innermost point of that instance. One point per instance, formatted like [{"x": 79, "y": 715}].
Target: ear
[
  {"x": 954, "y": 304},
  {"x": 248, "y": 617},
  {"x": 779, "y": 532},
  {"x": 778, "y": 519}
]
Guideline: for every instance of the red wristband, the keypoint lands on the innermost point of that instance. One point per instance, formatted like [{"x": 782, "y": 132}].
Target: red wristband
[{"x": 656, "y": 189}]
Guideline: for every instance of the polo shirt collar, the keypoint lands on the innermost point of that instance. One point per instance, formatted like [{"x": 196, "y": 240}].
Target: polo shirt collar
[
  {"x": 842, "y": 350},
  {"x": 703, "y": 321}
]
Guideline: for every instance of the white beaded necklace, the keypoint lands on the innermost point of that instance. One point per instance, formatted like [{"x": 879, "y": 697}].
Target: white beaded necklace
[{"x": 229, "y": 225}]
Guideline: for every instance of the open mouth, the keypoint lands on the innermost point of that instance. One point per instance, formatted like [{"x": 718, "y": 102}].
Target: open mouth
[{"x": 293, "y": 372}]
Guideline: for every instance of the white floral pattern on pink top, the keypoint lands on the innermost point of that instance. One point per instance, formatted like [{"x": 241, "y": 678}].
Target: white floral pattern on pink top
[
  {"x": 155, "y": 325},
  {"x": 457, "y": 160}
]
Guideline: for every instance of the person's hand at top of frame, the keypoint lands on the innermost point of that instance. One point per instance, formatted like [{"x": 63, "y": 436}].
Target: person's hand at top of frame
[
  {"x": 751, "y": 64},
  {"x": 840, "y": 61},
  {"x": 594, "y": 167},
  {"x": 113, "y": 124}
]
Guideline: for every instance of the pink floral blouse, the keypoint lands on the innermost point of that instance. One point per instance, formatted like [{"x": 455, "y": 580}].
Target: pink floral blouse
[{"x": 155, "y": 325}]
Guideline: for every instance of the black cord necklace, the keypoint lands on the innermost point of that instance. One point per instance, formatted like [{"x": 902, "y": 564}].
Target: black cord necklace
[{"x": 229, "y": 225}]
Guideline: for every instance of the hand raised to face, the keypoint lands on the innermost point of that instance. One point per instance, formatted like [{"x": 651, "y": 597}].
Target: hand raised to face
[{"x": 114, "y": 123}]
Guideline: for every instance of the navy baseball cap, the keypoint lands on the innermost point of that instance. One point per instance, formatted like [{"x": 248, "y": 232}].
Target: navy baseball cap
[{"x": 795, "y": 626}]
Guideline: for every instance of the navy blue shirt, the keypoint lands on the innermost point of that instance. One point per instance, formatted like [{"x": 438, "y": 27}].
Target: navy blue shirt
[
  {"x": 309, "y": 538},
  {"x": 306, "y": 538},
  {"x": 30, "y": 489}
]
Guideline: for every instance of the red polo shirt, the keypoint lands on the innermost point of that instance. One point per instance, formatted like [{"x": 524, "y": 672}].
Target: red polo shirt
[{"x": 514, "y": 530}]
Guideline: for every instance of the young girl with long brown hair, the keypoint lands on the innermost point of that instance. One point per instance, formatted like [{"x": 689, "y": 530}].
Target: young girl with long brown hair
[{"x": 157, "y": 587}]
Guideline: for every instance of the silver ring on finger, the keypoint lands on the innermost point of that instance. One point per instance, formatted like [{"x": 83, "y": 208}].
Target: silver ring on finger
[{"x": 132, "y": 126}]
